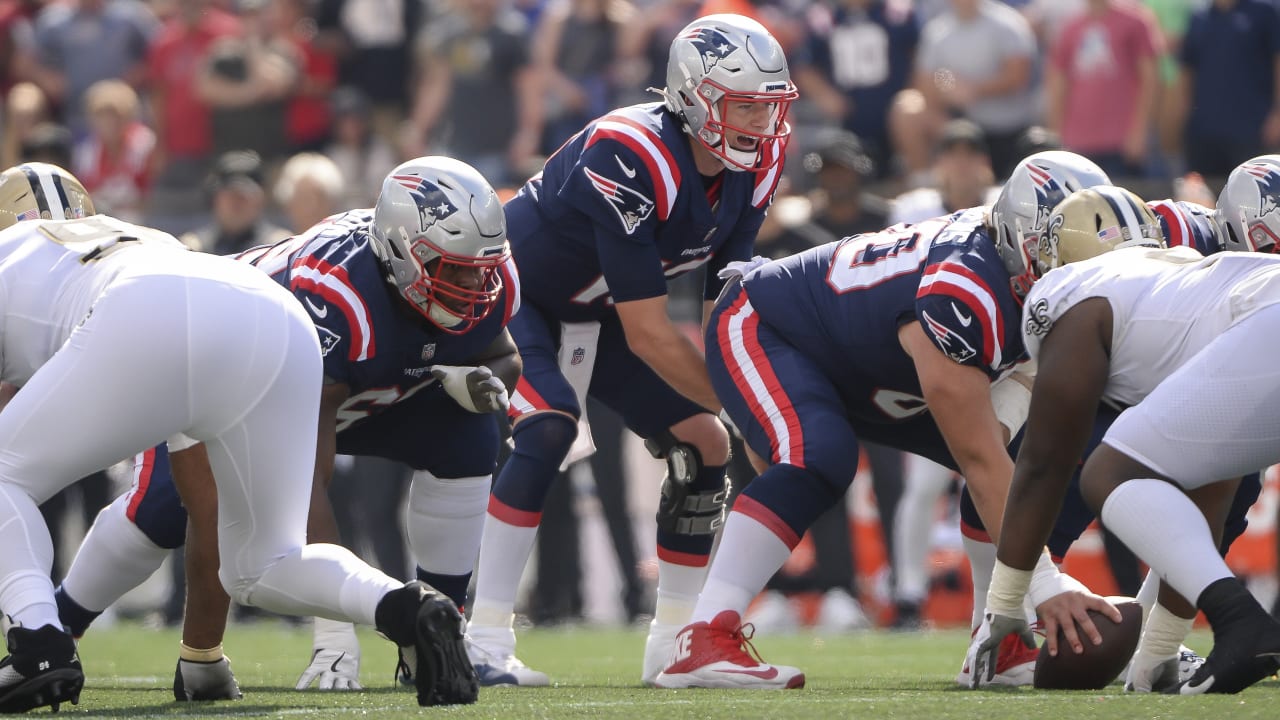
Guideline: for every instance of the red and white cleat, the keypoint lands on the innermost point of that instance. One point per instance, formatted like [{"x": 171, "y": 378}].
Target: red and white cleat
[
  {"x": 719, "y": 654},
  {"x": 1015, "y": 665}
]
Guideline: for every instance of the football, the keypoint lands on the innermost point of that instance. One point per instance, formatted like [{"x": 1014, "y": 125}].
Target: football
[{"x": 1098, "y": 665}]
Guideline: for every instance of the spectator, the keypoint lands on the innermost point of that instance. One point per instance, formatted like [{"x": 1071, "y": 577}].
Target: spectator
[
  {"x": 961, "y": 172},
  {"x": 573, "y": 58},
  {"x": 1227, "y": 90},
  {"x": 307, "y": 118},
  {"x": 17, "y": 41},
  {"x": 362, "y": 157},
  {"x": 857, "y": 59},
  {"x": 373, "y": 42},
  {"x": 25, "y": 107},
  {"x": 245, "y": 81},
  {"x": 113, "y": 162},
  {"x": 309, "y": 190},
  {"x": 975, "y": 61},
  {"x": 238, "y": 205},
  {"x": 475, "y": 98},
  {"x": 47, "y": 142},
  {"x": 1101, "y": 84},
  {"x": 83, "y": 41}
]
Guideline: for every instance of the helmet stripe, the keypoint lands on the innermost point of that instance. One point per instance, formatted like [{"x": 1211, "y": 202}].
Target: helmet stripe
[
  {"x": 38, "y": 191},
  {"x": 63, "y": 202}
]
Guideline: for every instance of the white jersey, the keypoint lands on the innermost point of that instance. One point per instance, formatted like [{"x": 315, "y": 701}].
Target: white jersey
[
  {"x": 1167, "y": 305},
  {"x": 51, "y": 273}
]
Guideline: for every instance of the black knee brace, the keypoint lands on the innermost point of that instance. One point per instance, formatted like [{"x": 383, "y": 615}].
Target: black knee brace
[{"x": 687, "y": 506}]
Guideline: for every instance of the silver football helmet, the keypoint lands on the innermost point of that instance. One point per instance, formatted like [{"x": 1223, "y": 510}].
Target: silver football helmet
[
  {"x": 440, "y": 231},
  {"x": 1094, "y": 221},
  {"x": 1021, "y": 211},
  {"x": 720, "y": 61},
  {"x": 1248, "y": 213}
]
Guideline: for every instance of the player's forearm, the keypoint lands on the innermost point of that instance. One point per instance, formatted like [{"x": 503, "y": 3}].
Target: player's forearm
[
  {"x": 988, "y": 482},
  {"x": 1030, "y": 510},
  {"x": 678, "y": 362}
]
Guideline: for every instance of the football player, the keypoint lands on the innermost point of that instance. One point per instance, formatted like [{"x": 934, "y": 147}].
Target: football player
[
  {"x": 906, "y": 338},
  {"x": 1181, "y": 345},
  {"x": 118, "y": 338},
  {"x": 640, "y": 196},
  {"x": 1243, "y": 220},
  {"x": 410, "y": 301}
]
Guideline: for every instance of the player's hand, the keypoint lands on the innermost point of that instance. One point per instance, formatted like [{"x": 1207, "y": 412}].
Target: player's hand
[
  {"x": 985, "y": 646},
  {"x": 1066, "y": 609},
  {"x": 476, "y": 389},
  {"x": 194, "y": 680},
  {"x": 332, "y": 670}
]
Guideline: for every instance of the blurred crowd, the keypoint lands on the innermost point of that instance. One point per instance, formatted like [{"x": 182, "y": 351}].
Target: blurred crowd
[{"x": 233, "y": 123}]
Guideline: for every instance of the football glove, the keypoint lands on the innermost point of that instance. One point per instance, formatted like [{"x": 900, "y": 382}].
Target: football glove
[
  {"x": 196, "y": 680},
  {"x": 335, "y": 662},
  {"x": 984, "y": 649},
  {"x": 476, "y": 389}
]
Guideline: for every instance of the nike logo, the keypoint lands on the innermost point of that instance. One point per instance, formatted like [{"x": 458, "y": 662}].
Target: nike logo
[
  {"x": 965, "y": 320},
  {"x": 769, "y": 674},
  {"x": 334, "y": 666},
  {"x": 320, "y": 312},
  {"x": 628, "y": 171}
]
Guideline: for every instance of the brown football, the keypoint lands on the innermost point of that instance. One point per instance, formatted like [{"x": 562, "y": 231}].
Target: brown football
[{"x": 1098, "y": 665}]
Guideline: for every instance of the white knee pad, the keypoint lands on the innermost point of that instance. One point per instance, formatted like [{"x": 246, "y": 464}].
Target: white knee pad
[{"x": 446, "y": 520}]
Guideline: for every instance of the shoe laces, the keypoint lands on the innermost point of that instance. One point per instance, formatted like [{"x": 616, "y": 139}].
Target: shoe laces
[{"x": 736, "y": 644}]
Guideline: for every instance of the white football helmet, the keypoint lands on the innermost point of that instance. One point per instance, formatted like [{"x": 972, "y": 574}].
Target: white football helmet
[
  {"x": 40, "y": 191},
  {"x": 440, "y": 231},
  {"x": 1021, "y": 212},
  {"x": 722, "y": 60},
  {"x": 1248, "y": 213},
  {"x": 1094, "y": 221}
]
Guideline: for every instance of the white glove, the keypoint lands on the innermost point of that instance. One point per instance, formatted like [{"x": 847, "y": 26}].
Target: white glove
[
  {"x": 335, "y": 663},
  {"x": 476, "y": 389},
  {"x": 985, "y": 646},
  {"x": 195, "y": 680},
  {"x": 1148, "y": 673}
]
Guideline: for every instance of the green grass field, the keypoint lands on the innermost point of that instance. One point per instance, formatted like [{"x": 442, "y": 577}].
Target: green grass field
[{"x": 869, "y": 675}]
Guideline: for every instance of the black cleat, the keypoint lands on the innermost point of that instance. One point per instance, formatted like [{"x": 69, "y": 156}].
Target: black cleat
[
  {"x": 1246, "y": 642},
  {"x": 42, "y": 669},
  {"x": 442, "y": 672}
]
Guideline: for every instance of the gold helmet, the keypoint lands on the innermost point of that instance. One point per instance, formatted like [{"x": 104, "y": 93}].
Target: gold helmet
[
  {"x": 40, "y": 191},
  {"x": 1093, "y": 221}
]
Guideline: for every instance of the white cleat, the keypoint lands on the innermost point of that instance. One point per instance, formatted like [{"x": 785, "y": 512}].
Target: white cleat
[
  {"x": 657, "y": 650},
  {"x": 492, "y": 652},
  {"x": 719, "y": 654},
  {"x": 841, "y": 612}
]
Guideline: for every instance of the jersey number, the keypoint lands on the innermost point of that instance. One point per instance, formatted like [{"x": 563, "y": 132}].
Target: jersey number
[{"x": 865, "y": 261}]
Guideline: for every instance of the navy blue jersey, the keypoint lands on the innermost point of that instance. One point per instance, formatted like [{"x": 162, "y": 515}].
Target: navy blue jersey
[
  {"x": 372, "y": 340},
  {"x": 1187, "y": 224},
  {"x": 841, "y": 305},
  {"x": 621, "y": 208}
]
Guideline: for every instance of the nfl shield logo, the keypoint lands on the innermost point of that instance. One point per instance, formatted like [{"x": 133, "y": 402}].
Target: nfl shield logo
[
  {"x": 579, "y": 354},
  {"x": 428, "y": 351}
]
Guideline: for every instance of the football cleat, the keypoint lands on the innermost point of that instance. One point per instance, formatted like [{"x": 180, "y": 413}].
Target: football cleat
[
  {"x": 41, "y": 669},
  {"x": 492, "y": 651},
  {"x": 719, "y": 654},
  {"x": 657, "y": 650},
  {"x": 195, "y": 680},
  {"x": 418, "y": 616},
  {"x": 1246, "y": 641},
  {"x": 1015, "y": 665},
  {"x": 841, "y": 612}
]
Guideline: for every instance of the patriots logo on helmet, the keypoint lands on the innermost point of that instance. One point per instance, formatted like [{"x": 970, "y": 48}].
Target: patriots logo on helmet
[
  {"x": 632, "y": 207},
  {"x": 1048, "y": 192},
  {"x": 1268, "y": 179},
  {"x": 712, "y": 46},
  {"x": 433, "y": 204},
  {"x": 949, "y": 341}
]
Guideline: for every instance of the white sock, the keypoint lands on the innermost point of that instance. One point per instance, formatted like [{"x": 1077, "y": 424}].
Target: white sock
[
  {"x": 1168, "y": 532},
  {"x": 446, "y": 520},
  {"x": 678, "y": 589},
  {"x": 982, "y": 563},
  {"x": 913, "y": 527},
  {"x": 504, "y": 553},
  {"x": 114, "y": 558},
  {"x": 1163, "y": 633},
  {"x": 26, "y": 593},
  {"x": 1149, "y": 593},
  {"x": 750, "y": 553},
  {"x": 319, "y": 579}
]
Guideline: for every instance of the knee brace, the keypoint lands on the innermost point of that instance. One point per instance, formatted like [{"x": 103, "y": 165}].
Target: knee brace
[{"x": 690, "y": 504}]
